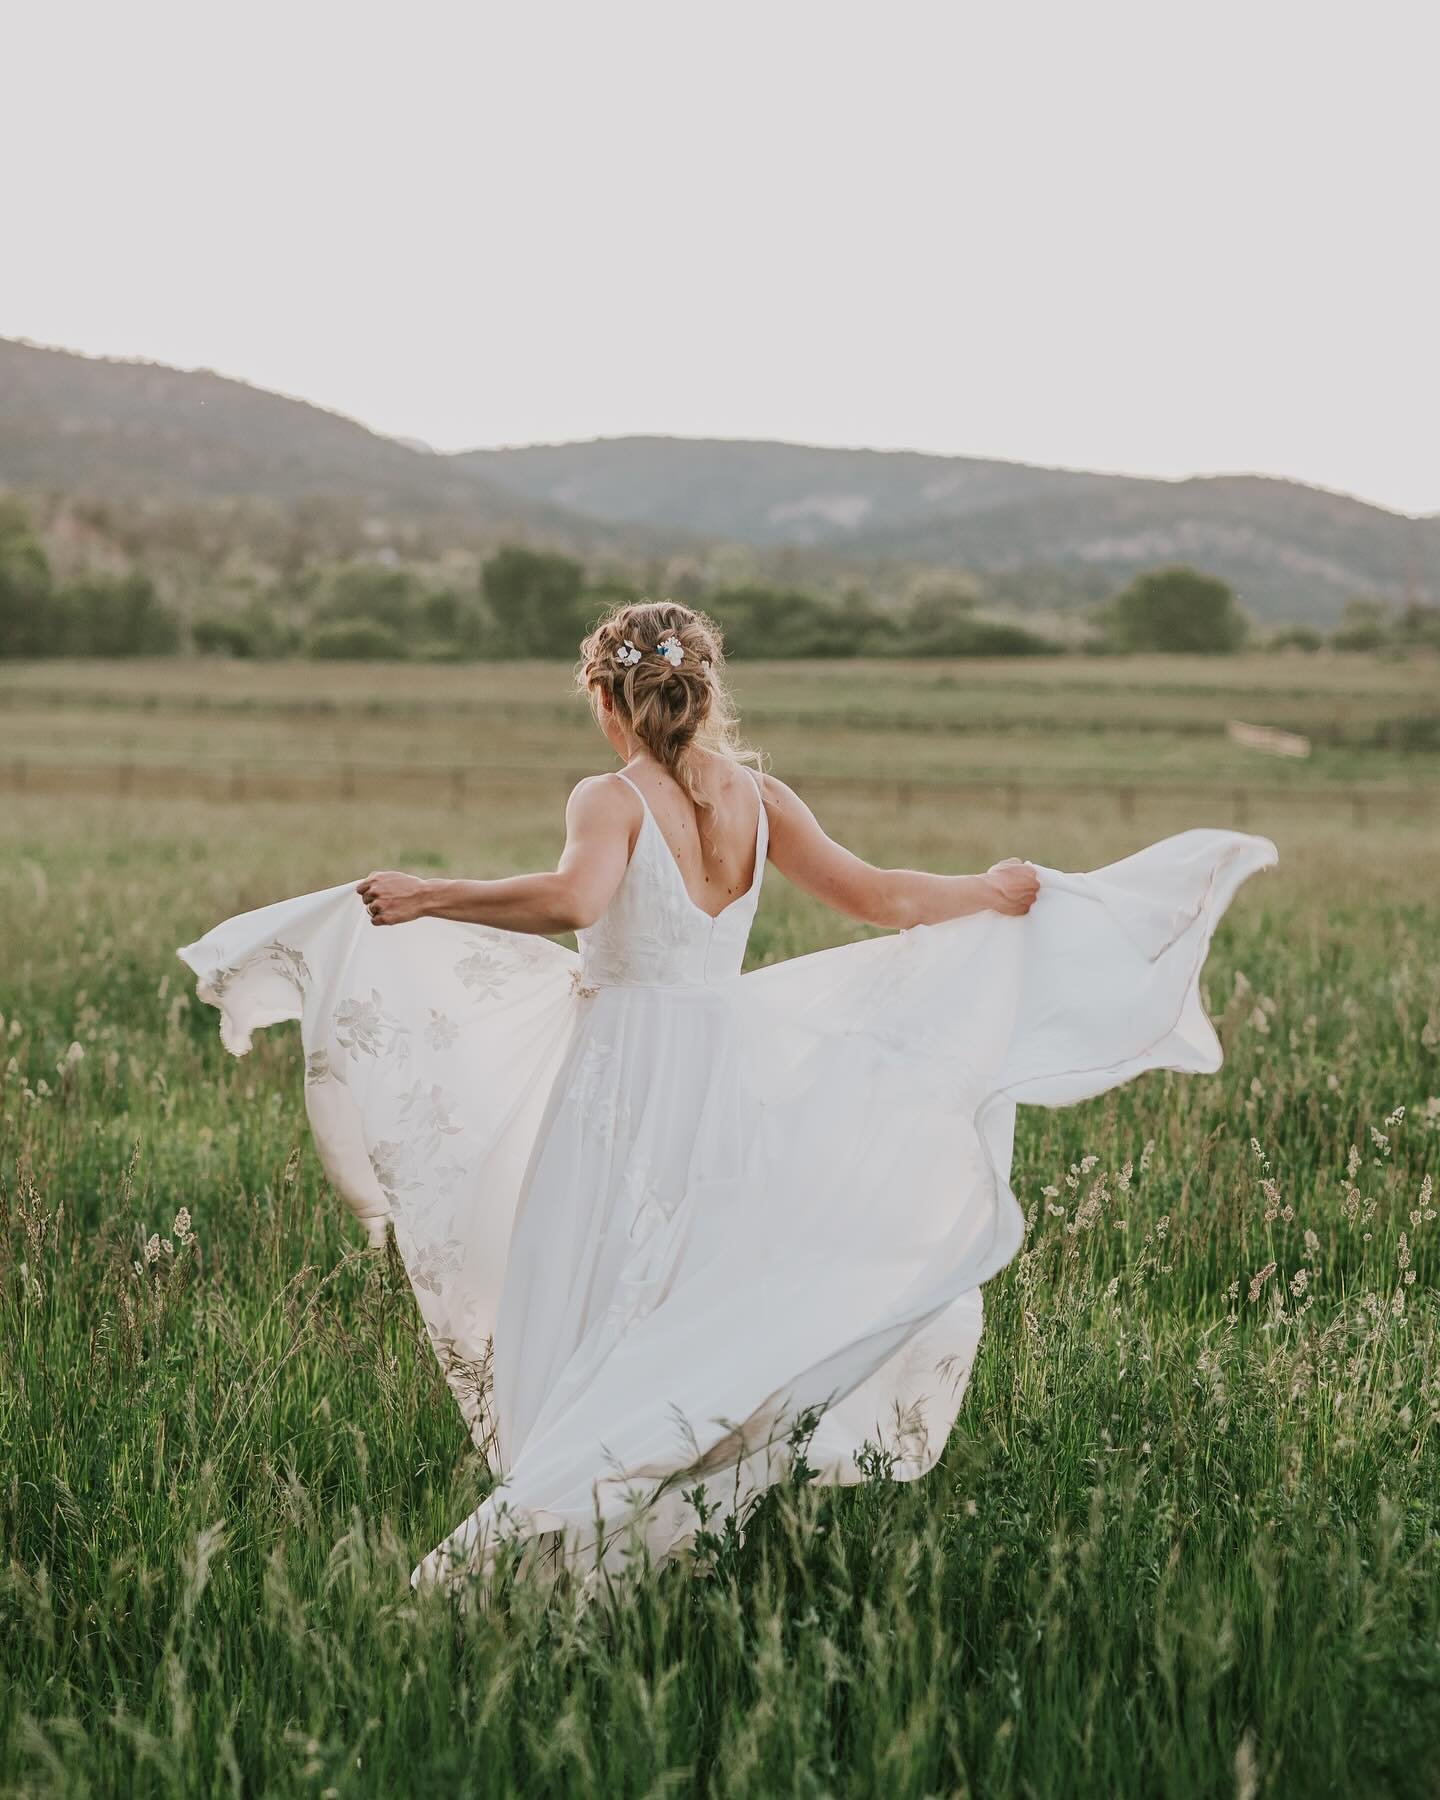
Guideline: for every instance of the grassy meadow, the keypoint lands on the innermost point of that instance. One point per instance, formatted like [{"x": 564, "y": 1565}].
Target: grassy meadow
[{"x": 1185, "y": 1540}]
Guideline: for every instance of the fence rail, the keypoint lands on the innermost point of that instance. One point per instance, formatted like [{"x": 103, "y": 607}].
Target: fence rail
[
  {"x": 1417, "y": 730},
  {"x": 461, "y": 784}
]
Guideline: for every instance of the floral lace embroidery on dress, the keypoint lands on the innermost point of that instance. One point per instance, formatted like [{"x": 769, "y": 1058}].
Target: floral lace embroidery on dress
[{"x": 281, "y": 957}]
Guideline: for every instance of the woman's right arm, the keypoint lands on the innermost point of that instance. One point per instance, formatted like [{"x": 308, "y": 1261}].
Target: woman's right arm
[
  {"x": 804, "y": 854},
  {"x": 600, "y": 823}
]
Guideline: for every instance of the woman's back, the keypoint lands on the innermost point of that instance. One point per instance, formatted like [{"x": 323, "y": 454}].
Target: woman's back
[
  {"x": 681, "y": 915},
  {"x": 713, "y": 846}
]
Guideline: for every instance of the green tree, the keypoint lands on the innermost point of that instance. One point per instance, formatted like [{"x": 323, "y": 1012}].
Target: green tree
[
  {"x": 1420, "y": 625},
  {"x": 1365, "y": 624},
  {"x": 28, "y": 624},
  {"x": 1177, "y": 609},
  {"x": 538, "y": 601},
  {"x": 452, "y": 627},
  {"x": 864, "y": 630},
  {"x": 384, "y": 596},
  {"x": 945, "y": 624},
  {"x": 761, "y": 621},
  {"x": 116, "y": 615}
]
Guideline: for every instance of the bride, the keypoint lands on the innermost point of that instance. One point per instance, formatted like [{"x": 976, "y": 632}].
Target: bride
[{"x": 666, "y": 1222}]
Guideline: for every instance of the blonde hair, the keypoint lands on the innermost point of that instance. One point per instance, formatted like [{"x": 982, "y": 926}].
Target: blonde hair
[{"x": 670, "y": 707}]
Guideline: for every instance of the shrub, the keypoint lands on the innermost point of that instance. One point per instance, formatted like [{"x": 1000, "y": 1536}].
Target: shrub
[
  {"x": 765, "y": 621},
  {"x": 960, "y": 633},
  {"x": 219, "y": 634},
  {"x": 1364, "y": 625},
  {"x": 1177, "y": 609},
  {"x": 115, "y": 615},
  {"x": 1420, "y": 625},
  {"x": 1295, "y": 637},
  {"x": 355, "y": 640},
  {"x": 369, "y": 591}
]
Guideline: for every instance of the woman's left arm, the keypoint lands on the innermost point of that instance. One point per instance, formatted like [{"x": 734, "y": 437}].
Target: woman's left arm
[{"x": 570, "y": 897}]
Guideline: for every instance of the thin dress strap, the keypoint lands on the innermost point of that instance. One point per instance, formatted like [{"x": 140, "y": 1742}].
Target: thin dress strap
[
  {"x": 646, "y": 816},
  {"x": 762, "y": 820}
]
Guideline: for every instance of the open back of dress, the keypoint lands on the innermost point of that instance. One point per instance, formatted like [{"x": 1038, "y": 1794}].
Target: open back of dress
[{"x": 657, "y": 1212}]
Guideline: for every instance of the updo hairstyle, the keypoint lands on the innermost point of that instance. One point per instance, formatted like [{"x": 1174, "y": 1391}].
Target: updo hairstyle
[{"x": 662, "y": 666}]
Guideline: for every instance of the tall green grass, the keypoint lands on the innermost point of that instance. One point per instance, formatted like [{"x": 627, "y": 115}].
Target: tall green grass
[{"x": 1183, "y": 1540}]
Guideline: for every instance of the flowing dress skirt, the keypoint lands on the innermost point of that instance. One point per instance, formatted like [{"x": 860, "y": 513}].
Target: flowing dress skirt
[{"x": 653, "y": 1231}]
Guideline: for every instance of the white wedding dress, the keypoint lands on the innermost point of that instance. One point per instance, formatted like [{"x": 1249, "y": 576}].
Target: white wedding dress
[{"x": 657, "y": 1213}]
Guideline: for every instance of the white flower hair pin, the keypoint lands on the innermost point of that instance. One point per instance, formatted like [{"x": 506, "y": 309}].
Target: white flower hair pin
[
  {"x": 627, "y": 655},
  {"x": 671, "y": 649}
]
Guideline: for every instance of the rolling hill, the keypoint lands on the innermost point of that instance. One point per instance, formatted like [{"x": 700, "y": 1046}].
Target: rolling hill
[
  {"x": 142, "y": 433},
  {"x": 1290, "y": 551}
]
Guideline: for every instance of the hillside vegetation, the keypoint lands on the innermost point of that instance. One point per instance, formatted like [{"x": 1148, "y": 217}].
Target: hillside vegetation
[
  {"x": 529, "y": 603},
  {"x": 206, "y": 483}
]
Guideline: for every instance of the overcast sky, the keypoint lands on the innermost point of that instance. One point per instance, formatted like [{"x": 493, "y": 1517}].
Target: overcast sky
[{"x": 1155, "y": 237}]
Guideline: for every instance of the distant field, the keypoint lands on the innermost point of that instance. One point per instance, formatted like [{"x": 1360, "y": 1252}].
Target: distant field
[
  {"x": 1136, "y": 722},
  {"x": 1185, "y": 1540}
]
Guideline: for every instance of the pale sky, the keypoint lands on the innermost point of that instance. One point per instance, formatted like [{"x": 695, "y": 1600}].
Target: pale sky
[{"x": 1152, "y": 237}]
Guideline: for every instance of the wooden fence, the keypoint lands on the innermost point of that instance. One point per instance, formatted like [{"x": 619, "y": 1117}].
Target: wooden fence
[{"x": 461, "y": 785}]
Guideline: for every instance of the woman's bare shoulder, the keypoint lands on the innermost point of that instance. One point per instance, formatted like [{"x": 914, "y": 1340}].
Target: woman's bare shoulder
[
  {"x": 602, "y": 798},
  {"x": 777, "y": 794}
]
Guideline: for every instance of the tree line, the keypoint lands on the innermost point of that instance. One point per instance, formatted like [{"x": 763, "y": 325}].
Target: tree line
[{"x": 537, "y": 604}]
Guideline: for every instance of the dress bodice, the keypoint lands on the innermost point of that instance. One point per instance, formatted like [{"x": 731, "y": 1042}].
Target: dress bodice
[{"x": 653, "y": 934}]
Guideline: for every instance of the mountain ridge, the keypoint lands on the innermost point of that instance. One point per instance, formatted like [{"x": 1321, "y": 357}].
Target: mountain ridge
[
  {"x": 1288, "y": 548},
  {"x": 129, "y": 429},
  {"x": 903, "y": 450},
  {"x": 145, "y": 433}
]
